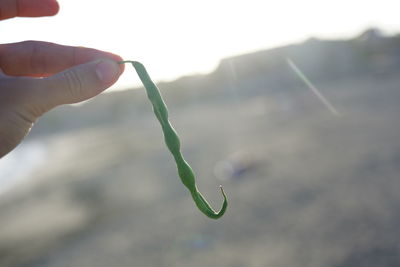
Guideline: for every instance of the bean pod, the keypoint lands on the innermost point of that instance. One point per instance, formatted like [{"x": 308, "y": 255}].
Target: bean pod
[{"x": 172, "y": 141}]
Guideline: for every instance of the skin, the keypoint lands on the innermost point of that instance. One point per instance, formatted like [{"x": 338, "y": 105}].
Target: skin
[
  {"x": 38, "y": 76},
  {"x": 173, "y": 143}
]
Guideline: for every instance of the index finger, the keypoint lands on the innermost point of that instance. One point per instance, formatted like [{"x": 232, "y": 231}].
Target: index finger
[
  {"x": 41, "y": 59},
  {"x": 27, "y": 8}
]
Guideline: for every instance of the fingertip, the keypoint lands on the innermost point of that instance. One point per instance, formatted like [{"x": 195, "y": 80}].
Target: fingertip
[
  {"x": 121, "y": 67},
  {"x": 107, "y": 71},
  {"x": 34, "y": 8},
  {"x": 118, "y": 59},
  {"x": 84, "y": 54},
  {"x": 54, "y": 7}
]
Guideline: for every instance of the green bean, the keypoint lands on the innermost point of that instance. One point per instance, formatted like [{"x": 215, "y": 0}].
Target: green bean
[{"x": 172, "y": 141}]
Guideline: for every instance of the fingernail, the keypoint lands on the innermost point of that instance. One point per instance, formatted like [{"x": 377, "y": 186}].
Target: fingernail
[{"x": 107, "y": 71}]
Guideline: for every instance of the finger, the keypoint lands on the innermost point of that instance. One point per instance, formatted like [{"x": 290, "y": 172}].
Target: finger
[
  {"x": 41, "y": 59},
  {"x": 75, "y": 84},
  {"x": 27, "y": 8}
]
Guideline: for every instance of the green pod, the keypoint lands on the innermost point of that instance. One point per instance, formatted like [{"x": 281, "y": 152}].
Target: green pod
[{"x": 172, "y": 141}]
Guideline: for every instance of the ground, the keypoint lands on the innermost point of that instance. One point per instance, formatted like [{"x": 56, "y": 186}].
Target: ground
[{"x": 305, "y": 187}]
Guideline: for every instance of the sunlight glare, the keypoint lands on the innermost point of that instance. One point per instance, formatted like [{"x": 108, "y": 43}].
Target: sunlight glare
[{"x": 175, "y": 38}]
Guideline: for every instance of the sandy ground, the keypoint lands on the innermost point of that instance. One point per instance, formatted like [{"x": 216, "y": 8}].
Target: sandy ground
[{"x": 305, "y": 187}]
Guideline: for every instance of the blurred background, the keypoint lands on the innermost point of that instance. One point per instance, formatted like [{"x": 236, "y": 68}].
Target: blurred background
[{"x": 292, "y": 106}]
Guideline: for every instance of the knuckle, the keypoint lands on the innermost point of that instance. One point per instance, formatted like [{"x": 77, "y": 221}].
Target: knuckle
[
  {"x": 37, "y": 59},
  {"x": 73, "y": 83}
]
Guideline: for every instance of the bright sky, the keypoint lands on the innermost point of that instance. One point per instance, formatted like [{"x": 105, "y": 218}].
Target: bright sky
[{"x": 180, "y": 37}]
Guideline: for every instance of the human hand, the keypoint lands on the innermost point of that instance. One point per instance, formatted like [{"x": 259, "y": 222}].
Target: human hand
[{"x": 37, "y": 76}]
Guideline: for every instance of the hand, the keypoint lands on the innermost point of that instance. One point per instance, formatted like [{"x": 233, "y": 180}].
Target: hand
[{"x": 37, "y": 76}]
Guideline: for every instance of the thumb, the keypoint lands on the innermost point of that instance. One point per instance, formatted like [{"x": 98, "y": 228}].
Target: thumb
[{"x": 79, "y": 83}]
